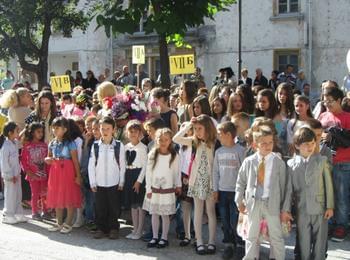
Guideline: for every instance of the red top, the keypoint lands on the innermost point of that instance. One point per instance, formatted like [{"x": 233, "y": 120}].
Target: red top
[
  {"x": 33, "y": 160},
  {"x": 342, "y": 120}
]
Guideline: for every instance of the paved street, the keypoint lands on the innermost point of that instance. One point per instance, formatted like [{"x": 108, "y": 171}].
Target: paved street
[{"x": 33, "y": 241}]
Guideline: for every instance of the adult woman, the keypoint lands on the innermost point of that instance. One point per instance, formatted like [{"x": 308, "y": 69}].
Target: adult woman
[
  {"x": 17, "y": 102},
  {"x": 45, "y": 112}
]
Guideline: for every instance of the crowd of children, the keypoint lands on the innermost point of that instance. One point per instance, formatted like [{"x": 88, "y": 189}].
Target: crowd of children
[{"x": 204, "y": 155}]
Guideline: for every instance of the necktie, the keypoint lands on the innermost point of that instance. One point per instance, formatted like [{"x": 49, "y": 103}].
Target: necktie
[{"x": 261, "y": 172}]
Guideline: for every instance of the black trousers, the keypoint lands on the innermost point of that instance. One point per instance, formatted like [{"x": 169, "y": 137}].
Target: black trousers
[{"x": 107, "y": 208}]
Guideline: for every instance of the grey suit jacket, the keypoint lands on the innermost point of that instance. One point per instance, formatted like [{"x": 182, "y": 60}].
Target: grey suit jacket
[
  {"x": 246, "y": 186},
  {"x": 311, "y": 184}
]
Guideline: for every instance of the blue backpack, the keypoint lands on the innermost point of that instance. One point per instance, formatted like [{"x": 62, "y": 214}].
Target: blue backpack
[{"x": 116, "y": 151}]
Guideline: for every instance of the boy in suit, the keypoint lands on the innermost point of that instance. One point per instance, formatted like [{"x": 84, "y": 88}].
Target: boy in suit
[
  {"x": 310, "y": 181},
  {"x": 260, "y": 193}
]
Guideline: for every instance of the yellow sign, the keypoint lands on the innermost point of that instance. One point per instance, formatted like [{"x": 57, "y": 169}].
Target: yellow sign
[
  {"x": 181, "y": 64},
  {"x": 60, "y": 84},
  {"x": 138, "y": 54}
]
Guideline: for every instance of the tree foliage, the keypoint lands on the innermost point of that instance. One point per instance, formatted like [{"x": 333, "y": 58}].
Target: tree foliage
[
  {"x": 26, "y": 27},
  {"x": 170, "y": 19}
]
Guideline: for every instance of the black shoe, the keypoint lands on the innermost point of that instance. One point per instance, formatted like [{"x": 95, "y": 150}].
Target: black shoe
[
  {"x": 211, "y": 249},
  {"x": 152, "y": 243},
  {"x": 163, "y": 243},
  {"x": 37, "y": 216},
  {"x": 185, "y": 242},
  {"x": 228, "y": 252},
  {"x": 200, "y": 250}
]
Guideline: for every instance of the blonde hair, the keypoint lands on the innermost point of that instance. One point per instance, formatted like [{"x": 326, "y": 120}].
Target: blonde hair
[
  {"x": 105, "y": 89},
  {"x": 11, "y": 97},
  {"x": 263, "y": 131}
]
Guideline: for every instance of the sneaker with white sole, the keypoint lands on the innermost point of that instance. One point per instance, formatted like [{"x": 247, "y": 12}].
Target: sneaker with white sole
[
  {"x": 9, "y": 220},
  {"x": 55, "y": 228},
  {"x": 136, "y": 236},
  {"x": 21, "y": 219},
  {"x": 66, "y": 229},
  {"x": 130, "y": 236},
  {"x": 78, "y": 224}
]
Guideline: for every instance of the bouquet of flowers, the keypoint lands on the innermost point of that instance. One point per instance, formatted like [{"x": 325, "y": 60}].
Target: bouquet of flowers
[{"x": 128, "y": 105}]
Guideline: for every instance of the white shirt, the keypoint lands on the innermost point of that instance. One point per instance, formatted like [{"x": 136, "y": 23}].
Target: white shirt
[
  {"x": 162, "y": 176},
  {"x": 185, "y": 159},
  {"x": 268, "y": 169},
  {"x": 106, "y": 173},
  {"x": 140, "y": 160},
  {"x": 79, "y": 143}
]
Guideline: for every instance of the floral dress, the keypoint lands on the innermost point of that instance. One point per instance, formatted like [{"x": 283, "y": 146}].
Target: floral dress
[{"x": 201, "y": 188}]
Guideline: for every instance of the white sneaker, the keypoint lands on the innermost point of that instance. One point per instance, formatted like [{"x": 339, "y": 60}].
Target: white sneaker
[
  {"x": 21, "y": 219},
  {"x": 55, "y": 228},
  {"x": 78, "y": 224},
  {"x": 66, "y": 229},
  {"x": 130, "y": 236},
  {"x": 9, "y": 220},
  {"x": 136, "y": 236}
]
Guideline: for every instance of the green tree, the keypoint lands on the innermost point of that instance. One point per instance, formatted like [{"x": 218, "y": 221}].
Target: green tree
[
  {"x": 168, "y": 18},
  {"x": 26, "y": 27}
]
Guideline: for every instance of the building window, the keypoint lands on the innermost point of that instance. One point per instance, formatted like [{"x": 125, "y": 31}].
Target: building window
[
  {"x": 288, "y": 6},
  {"x": 284, "y": 57}
]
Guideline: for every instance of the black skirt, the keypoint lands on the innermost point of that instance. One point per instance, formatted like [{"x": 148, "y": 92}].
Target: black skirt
[{"x": 131, "y": 198}]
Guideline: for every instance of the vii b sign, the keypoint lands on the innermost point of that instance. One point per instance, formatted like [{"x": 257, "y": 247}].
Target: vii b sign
[
  {"x": 181, "y": 64},
  {"x": 138, "y": 54},
  {"x": 60, "y": 84}
]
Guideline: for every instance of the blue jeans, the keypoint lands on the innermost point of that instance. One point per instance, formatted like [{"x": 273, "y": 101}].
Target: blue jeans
[
  {"x": 229, "y": 216},
  {"x": 341, "y": 181},
  {"x": 89, "y": 205}
]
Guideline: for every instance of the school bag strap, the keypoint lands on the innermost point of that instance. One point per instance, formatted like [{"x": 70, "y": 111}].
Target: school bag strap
[{"x": 116, "y": 151}]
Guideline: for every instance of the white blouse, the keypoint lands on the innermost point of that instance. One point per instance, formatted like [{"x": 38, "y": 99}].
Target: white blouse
[{"x": 140, "y": 160}]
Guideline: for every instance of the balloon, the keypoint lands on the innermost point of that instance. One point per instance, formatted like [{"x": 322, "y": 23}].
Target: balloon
[{"x": 348, "y": 60}]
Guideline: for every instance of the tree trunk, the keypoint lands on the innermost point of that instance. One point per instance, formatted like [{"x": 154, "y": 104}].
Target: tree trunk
[
  {"x": 164, "y": 62},
  {"x": 42, "y": 73}
]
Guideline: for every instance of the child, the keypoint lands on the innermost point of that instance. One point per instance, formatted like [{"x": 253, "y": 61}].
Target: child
[
  {"x": 185, "y": 155},
  {"x": 93, "y": 130},
  {"x": 302, "y": 114},
  {"x": 241, "y": 121},
  {"x": 321, "y": 147},
  {"x": 218, "y": 110},
  {"x": 168, "y": 115},
  {"x": 151, "y": 126},
  {"x": 201, "y": 179},
  {"x": 227, "y": 161},
  {"x": 33, "y": 156},
  {"x": 162, "y": 182},
  {"x": 77, "y": 136},
  {"x": 106, "y": 176},
  {"x": 11, "y": 174},
  {"x": 260, "y": 193},
  {"x": 311, "y": 181},
  {"x": 64, "y": 177},
  {"x": 136, "y": 160}
]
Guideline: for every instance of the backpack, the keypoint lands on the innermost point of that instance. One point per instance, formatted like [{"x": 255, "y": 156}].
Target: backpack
[{"x": 116, "y": 151}]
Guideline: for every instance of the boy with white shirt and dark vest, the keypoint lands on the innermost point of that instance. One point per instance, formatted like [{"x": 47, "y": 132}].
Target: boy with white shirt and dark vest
[
  {"x": 106, "y": 175},
  {"x": 260, "y": 193}
]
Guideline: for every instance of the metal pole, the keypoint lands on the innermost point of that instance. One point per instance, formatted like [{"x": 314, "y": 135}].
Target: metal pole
[{"x": 239, "y": 61}]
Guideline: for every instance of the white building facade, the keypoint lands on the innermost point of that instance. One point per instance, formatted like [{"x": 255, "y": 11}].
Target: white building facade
[{"x": 312, "y": 35}]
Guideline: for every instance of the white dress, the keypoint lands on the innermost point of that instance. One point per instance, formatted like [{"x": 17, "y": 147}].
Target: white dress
[{"x": 162, "y": 177}]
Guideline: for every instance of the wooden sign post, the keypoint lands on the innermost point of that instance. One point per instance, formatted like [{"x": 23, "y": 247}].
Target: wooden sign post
[{"x": 138, "y": 57}]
